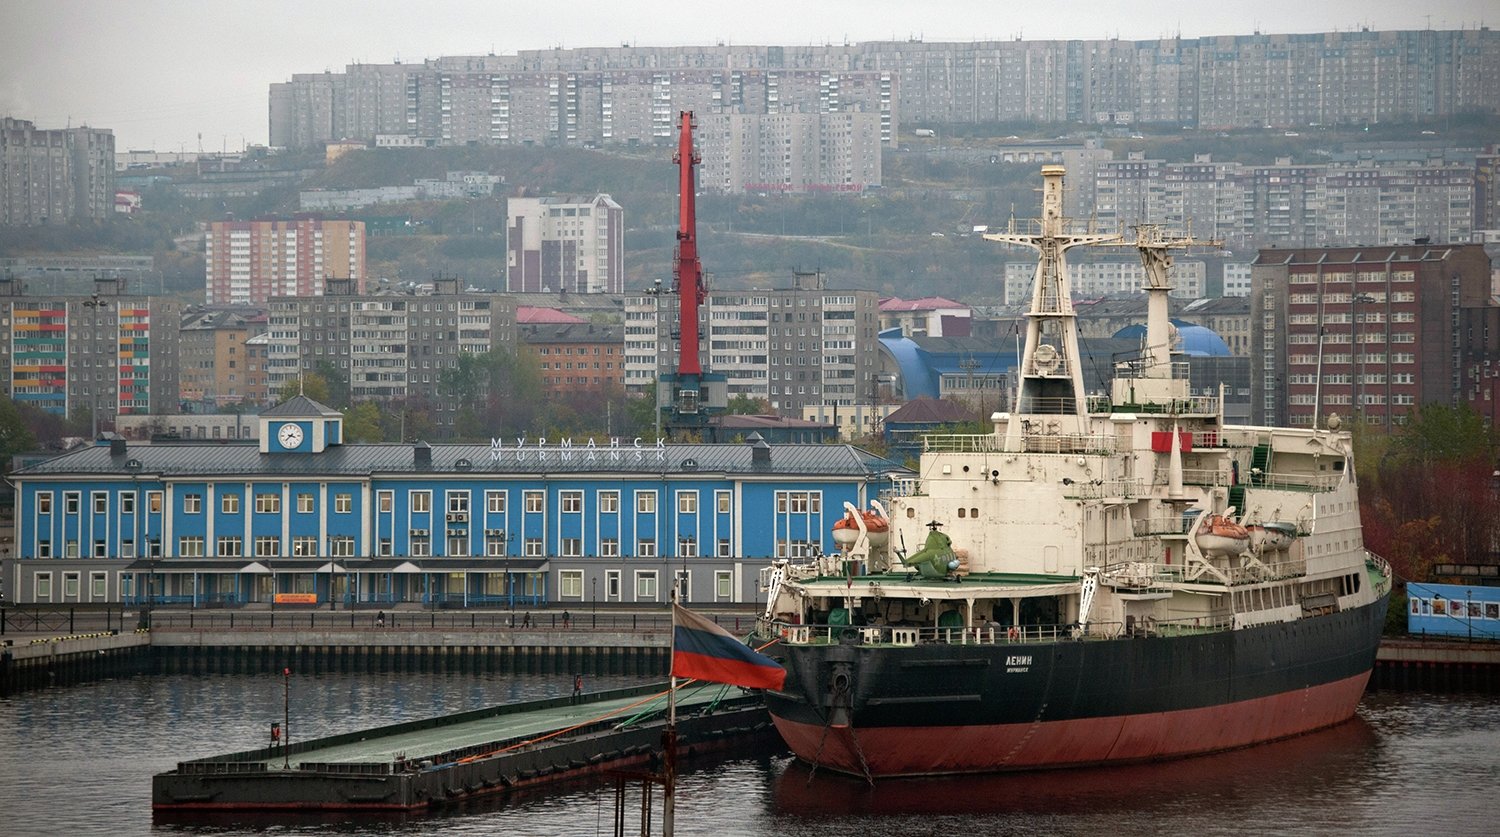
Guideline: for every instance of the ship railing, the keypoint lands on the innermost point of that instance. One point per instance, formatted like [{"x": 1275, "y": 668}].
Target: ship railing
[
  {"x": 1170, "y": 525},
  {"x": 1137, "y": 368},
  {"x": 1100, "y": 489},
  {"x": 1035, "y": 438},
  {"x": 910, "y": 635},
  {"x": 1289, "y": 481},
  {"x": 902, "y": 487},
  {"x": 1145, "y": 576},
  {"x": 1195, "y": 476}
]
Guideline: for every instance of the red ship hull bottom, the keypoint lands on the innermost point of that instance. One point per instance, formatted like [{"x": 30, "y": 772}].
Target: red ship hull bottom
[{"x": 931, "y": 750}]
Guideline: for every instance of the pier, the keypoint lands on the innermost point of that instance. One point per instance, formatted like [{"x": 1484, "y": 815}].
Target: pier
[{"x": 425, "y": 764}]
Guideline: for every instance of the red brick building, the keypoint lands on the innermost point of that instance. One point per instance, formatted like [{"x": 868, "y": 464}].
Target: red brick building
[{"x": 578, "y": 357}]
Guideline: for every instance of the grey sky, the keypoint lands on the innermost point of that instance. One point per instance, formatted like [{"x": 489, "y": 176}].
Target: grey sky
[{"x": 162, "y": 72}]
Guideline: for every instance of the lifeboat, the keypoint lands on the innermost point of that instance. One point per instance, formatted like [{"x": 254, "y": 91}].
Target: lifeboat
[
  {"x": 1273, "y": 535},
  {"x": 846, "y": 530},
  {"x": 1218, "y": 535}
]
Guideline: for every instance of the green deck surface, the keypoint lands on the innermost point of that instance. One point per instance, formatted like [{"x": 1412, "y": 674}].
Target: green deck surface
[{"x": 417, "y": 744}]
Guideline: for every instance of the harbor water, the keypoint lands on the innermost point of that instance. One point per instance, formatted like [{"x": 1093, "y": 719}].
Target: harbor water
[{"x": 79, "y": 761}]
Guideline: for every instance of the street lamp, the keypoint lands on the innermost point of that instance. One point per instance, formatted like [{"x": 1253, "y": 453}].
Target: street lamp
[{"x": 94, "y": 304}]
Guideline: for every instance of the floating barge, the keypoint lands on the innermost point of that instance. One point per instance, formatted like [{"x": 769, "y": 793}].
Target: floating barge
[{"x": 419, "y": 765}]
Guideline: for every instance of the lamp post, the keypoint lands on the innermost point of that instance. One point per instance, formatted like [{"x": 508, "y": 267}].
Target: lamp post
[{"x": 94, "y": 304}]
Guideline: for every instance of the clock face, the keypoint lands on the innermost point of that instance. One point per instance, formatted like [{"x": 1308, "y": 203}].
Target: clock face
[{"x": 290, "y": 435}]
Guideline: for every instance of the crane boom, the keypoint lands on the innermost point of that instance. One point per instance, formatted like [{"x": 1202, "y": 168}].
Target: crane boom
[{"x": 688, "y": 270}]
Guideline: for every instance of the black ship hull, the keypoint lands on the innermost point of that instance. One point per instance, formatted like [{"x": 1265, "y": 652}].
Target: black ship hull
[{"x": 935, "y": 708}]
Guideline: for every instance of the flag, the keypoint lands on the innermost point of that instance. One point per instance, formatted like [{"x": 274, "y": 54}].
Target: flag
[{"x": 705, "y": 651}]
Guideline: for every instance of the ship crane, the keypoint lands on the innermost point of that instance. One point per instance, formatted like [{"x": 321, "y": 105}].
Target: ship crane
[{"x": 689, "y": 397}]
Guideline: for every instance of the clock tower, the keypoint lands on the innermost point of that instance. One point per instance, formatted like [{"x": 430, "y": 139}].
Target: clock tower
[{"x": 300, "y": 425}]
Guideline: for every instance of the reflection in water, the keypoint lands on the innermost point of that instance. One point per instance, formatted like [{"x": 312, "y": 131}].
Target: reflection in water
[{"x": 79, "y": 761}]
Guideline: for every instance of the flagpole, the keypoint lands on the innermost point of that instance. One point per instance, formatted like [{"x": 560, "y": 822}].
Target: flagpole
[{"x": 669, "y": 741}]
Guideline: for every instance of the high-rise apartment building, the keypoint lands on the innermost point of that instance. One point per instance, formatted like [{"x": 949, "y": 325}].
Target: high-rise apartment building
[
  {"x": 556, "y": 244},
  {"x": 107, "y": 354},
  {"x": 1369, "y": 332},
  {"x": 249, "y": 262},
  {"x": 789, "y": 152},
  {"x": 629, "y": 95},
  {"x": 55, "y": 176},
  {"x": 391, "y": 348},
  {"x": 794, "y": 347}
]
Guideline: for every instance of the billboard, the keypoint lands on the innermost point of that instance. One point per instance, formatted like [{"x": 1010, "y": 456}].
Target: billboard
[{"x": 1456, "y": 610}]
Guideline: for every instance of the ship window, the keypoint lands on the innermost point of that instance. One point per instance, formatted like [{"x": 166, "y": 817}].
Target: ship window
[
  {"x": 910, "y": 513},
  {"x": 974, "y": 513},
  {"x": 960, "y": 512}
]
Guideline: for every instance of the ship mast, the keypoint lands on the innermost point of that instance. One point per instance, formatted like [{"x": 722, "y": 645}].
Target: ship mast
[{"x": 1050, "y": 386}]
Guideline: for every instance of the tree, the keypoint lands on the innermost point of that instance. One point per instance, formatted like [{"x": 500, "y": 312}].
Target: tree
[
  {"x": 362, "y": 423},
  {"x": 338, "y": 384},
  {"x": 746, "y": 405},
  {"x": 310, "y": 384},
  {"x": 15, "y": 436}
]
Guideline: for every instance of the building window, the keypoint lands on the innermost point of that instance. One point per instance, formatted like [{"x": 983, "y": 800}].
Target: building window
[
  {"x": 229, "y": 504},
  {"x": 494, "y": 544},
  {"x": 458, "y": 546},
  {"x": 341, "y": 546},
  {"x": 645, "y": 585},
  {"x": 127, "y": 504},
  {"x": 532, "y": 548},
  {"x": 687, "y": 547},
  {"x": 533, "y": 501},
  {"x": 572, "y": 547},
  {"x": 267, "y": 546},
  {"x": 343, "y": 503},
  {"x": 70, "y": 549},
  {"x": 494, "y": 502},
  {"x": 190, "y": 546},
  {"x": 645, "y": 548},
  {"x": 71, "y": 499},
  {"x": 232, "y": 547},
  {"x": 192, "y": 503},
  {"x": 572, "y": 502},
  {"x": 723, "y": 548},
  {"x": 305, "y": 546},
  {"x": 421, "y": 546},
  {"x": 799, "y": 502},
  {"x": 570, "y": 584},
  {"x": 458, "y": 502},
  {"x": 268, "y": 504},
  {"x": 44, "y": 587},
  {"x": 44, "y": 549},
  {"x": 721, "y": 498},
  {"x": 44, "y": 502},
  {"x": 609, "y": 548},
  {"x": 386, "y": 501},
  {"x": 421, "y": 502},
  {"x": 153, "y": 502},
  {"x": 687, "y": 502},
  {"x": 609, "y": 502},
  {"x": 98, "y": 586},
  {"x": 386, "y": 548},
  {"x": 612, "y": 585},
  {"x": 305, "y": 502},
  {"x": 100, "y": 548},
  {"x": 645, "y": 502}
]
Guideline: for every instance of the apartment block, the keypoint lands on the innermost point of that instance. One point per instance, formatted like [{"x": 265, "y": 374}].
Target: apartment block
[
  {"x": 577, "y": 357},
  {"x": 222, "y": 363},
  {"x": 109, "y": 353},
  {"x": 392, "y": 347},
  {"x": 627, "y": 95},
  {"x": 803, "y": 345},
  {"x": 249, "y": 262},
  {"x": 789, "y": 152},
  {"x": 55, "y": 176},
  {"x": 562, "y": 245},
  {"x": 1369, "y": 333}
]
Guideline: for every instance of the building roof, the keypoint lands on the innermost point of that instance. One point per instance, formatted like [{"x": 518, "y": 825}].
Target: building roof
[
  {"x": 757, "y": 422},
  {"x": 930, "y": 411},
  {"x": 360, "y": 460},
  {"x": 580, "y": 332},
  {"x": 300, "y": 406},
  {"x": 1197, "y": 341},
  {"x": 528, "y": 314},
  {"x": 1220, "y": 305},
  {"x": 926, "y": 303}
]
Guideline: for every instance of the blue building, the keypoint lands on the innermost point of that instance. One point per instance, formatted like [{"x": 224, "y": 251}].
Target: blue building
[
  {"x": 1456, "y": 610},
  {"x": 301, "y": 518}
]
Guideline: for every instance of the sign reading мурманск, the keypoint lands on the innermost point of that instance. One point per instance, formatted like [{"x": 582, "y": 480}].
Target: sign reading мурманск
[{"x": 564, "y": 450}]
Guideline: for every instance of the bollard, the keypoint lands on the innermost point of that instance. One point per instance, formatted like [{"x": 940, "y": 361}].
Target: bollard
[{"x": 70, "y": 621}]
